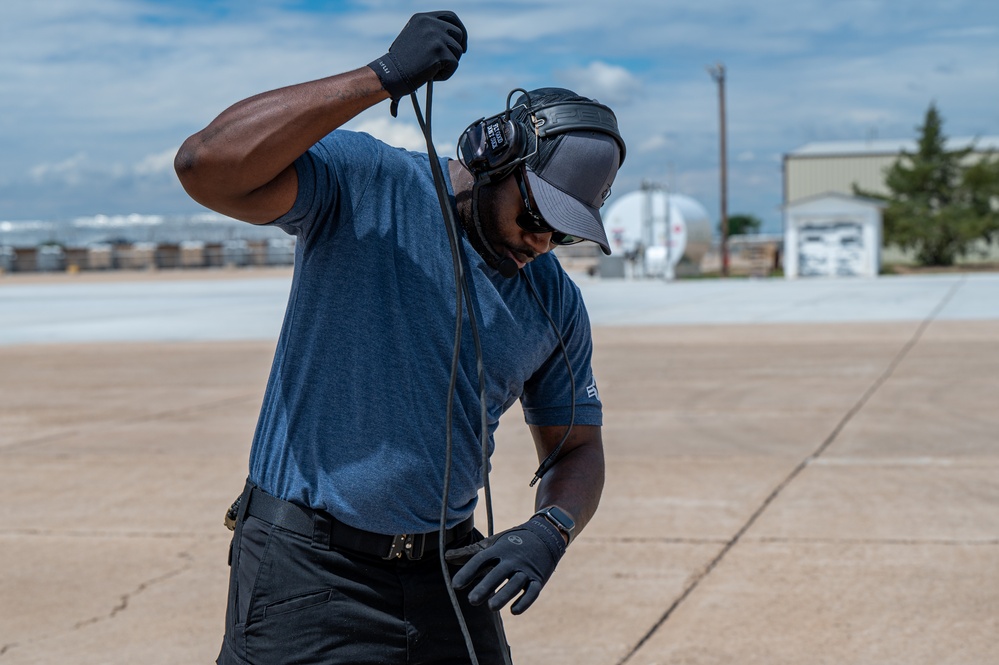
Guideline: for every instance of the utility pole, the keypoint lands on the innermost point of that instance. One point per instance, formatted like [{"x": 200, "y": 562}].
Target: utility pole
[{"x": 717, "y": 72}]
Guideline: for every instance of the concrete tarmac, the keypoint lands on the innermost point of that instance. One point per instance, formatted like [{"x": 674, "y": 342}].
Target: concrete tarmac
[{"x": 798, "y": 472}]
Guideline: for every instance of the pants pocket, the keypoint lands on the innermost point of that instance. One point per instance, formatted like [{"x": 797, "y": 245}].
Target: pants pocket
[
  {"x": 253, "y": 544},
  {"x": 298, "y": 603}
]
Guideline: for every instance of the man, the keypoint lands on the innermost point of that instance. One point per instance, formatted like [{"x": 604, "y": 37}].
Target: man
[{"x": 335, "y": 555}]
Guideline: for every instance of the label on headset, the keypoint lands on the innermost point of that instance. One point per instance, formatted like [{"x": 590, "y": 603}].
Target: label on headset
[{"x": 495, "y": 134}]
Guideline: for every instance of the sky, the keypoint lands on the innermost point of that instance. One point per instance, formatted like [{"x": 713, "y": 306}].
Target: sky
[{"x": 97, "y": 95}]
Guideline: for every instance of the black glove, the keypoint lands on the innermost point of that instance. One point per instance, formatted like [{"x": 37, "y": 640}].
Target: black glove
[
  {"x": 427, "y": 49},
  {"x": 525, "y": 555}
]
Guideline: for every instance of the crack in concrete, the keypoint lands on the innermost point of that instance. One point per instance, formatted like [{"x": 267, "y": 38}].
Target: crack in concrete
[
  {"x": 833, "y": 435},
  {"x": 123, "y": 601},
  {"x": 126, "y": 598},
  {"x": 122, "y": 605}
]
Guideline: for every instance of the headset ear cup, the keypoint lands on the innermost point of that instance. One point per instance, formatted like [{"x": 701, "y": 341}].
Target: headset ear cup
[
  {"x": 489, "y": 145},
  {"x": 469, "y": 147}
]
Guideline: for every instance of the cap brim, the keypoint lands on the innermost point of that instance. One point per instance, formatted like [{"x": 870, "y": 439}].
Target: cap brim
[{"x": 567, "y": 214}]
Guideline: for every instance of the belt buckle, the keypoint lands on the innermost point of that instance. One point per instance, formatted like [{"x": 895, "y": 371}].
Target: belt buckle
[{"x": 410, "y": 544}]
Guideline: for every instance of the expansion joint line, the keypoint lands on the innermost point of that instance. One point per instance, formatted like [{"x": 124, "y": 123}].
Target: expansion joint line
[
  {"x": 110, "y": 425},
  {"x": 854, "y": 410}
]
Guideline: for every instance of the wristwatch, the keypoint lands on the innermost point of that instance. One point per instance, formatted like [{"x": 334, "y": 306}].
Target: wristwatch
[{"x": 559, "y": 519}]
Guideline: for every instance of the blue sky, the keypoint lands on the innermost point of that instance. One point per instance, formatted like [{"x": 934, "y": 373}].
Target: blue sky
[{"x": 96, "y": 95}]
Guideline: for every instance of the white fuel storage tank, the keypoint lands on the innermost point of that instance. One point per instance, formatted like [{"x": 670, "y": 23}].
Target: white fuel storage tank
[{"x": 656, "y": 229}]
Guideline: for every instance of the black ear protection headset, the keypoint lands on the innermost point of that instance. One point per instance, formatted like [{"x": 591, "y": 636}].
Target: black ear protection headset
[{"x": 491, "y": 148}]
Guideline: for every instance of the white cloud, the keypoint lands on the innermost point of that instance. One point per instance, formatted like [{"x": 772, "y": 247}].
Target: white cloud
[
  {"x": 610, "y": 84},
  {"x": 80, "y": 168},
  {"x": 157, "y": 163},
  {"x": 69, "y": 171},
  {"x": 397, "y": 133},
  {"x": 655, "y": 142}
]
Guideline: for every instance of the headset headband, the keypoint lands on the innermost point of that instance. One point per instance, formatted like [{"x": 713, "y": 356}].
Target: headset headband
[{"x": 561, "y": 117}]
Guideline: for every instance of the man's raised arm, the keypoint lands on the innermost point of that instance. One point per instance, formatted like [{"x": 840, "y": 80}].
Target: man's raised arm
[{"x": 241, "y": 164}]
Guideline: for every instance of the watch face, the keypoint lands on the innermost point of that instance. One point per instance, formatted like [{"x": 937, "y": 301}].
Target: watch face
[{"x": 562, "y": 518}]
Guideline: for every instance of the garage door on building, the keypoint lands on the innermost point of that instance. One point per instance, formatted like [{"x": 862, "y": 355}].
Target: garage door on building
[{"x": 832, "y": 235}]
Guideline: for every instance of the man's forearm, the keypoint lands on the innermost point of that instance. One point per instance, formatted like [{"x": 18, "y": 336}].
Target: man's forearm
[
  {"x": 575, "y": 482},
  {"x": 247, "y": 149}
]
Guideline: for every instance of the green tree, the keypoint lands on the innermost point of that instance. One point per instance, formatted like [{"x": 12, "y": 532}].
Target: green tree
[
  {"x": 743, "y": 224},
  {"x": 940, "y": 204}
]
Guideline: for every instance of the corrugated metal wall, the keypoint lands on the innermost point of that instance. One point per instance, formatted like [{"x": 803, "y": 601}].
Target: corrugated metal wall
[
  {"x": 811, "y": 174},
  {"x": 806, "y": 176}
]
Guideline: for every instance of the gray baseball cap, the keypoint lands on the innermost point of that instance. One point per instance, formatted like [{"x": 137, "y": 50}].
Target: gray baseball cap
[{"x": 570, "y": 185}]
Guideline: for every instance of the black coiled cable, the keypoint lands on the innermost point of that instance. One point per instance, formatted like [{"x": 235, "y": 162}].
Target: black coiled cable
[
  {"x": 463, "y": 296},
  {"x": 462, "y": 293}
]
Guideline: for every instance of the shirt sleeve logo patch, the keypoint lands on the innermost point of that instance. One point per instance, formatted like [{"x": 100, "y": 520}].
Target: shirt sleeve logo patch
[{"x": 591, "y": 390}]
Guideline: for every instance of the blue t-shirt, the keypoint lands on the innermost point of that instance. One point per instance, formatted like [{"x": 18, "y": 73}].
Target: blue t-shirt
[{"x": 353, "y": 418}]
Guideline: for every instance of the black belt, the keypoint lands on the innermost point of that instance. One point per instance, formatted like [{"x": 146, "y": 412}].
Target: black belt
[{"x": 327, "y": 532}]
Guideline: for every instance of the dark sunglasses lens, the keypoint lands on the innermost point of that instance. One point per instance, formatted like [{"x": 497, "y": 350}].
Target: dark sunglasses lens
[
  {"x": 565, "y": 239},
  {"x": 532, "y": 224}
]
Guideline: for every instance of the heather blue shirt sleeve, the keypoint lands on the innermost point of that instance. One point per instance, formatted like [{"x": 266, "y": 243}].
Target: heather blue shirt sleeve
[
  {"x": 325, "y": 193},
  {"x": 546, "y": 399}
]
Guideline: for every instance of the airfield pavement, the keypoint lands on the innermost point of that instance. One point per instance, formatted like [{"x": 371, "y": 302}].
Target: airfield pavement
[{"x": 797, "y": 471}]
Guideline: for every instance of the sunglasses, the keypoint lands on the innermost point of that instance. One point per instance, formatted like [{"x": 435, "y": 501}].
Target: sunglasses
[{"x": 532, "y": 221}]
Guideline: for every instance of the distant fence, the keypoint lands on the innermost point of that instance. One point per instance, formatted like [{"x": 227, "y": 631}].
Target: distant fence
[
  {"x": 148, "y": 256},
  {"x": 979, "y": 251}
]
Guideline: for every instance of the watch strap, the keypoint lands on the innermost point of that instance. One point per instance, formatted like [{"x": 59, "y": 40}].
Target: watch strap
[{"x": 559, "y": 519}]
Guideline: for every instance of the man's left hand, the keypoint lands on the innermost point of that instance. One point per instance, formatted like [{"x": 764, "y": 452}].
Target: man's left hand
[{"x": 523, "y": 558}]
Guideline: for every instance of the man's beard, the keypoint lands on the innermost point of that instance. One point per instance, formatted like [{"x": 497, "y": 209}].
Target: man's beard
[
  {"x": 488, "y": 227},
  {"x": 488, "y": 232},
  {"x": 483, "y": 229}
]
